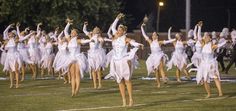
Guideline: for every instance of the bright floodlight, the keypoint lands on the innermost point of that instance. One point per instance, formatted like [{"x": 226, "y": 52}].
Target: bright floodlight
[{"x": 161, "y": 4}]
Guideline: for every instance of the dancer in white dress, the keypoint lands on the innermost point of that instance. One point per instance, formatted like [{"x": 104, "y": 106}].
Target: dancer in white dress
[
  {"x": 156, "y": 60},
  {"x": 196, "y": 58},
  {"x": 34, "y": 53},
  {"x": 21, "y": 47},
  {"x": 13, "y": 60},
  {"x": 47, "y": 58},
  {"x": 96, "y": 56},
  {"x": 122, "y": 62},
  {"x": 208, "y": 68},
  {"x": 77, "y": 60},
  {"x": 61, "y": 58},
  {"x": 179, "y": 57}
]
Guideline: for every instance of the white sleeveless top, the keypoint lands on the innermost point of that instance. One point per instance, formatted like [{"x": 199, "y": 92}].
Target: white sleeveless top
[
  {"x": 73, "y": 46},
  {"x": 49, "y": 48},
  {"x": 179, "y": 47},
  {"x": 32, "y": 42},
  {"x": 120, "y": 48},
  {"x": 198, "y": 47},
  {"x": 62, "y": 47},
  {"x": 11, "y": 45},
  {"x": 95, "y": 44},
  {"x": 155, "y": 47},
  {"x": 207, "y": 53}
]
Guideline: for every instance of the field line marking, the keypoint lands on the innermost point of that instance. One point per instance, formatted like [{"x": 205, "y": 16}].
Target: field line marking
[{"x": 102, "y": 107}]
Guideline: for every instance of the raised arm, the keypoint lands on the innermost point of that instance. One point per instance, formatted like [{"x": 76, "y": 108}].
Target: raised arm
[
  {"x": 5, "y": 33},
  {"x": 25, "y": 37},
  {"x": 66, "y": 30},
  {"x": 144, "y": 33},
  {"x": 38, "y": 30},
  {"x": 199, "y": 30},
  {"x": 59, "y": 36},
  {"x": 85, "y": 29},
  {"x": 169, "y": 33},
  {"x": 18, "y": 30},
  {"x": 109, "y": 33},
  {"x": 114, "y": 24},
  {"x": 54, "y": 36},
  {"x": 195, "y": 32}
]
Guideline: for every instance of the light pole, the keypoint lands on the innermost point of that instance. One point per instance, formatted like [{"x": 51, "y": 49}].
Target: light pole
[
  {"x": 188, "y": 15},
  {"x": 160, "y": 4}
]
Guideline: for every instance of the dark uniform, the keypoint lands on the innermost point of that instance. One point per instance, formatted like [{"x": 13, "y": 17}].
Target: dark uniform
[{"x": 232, "y": 59}]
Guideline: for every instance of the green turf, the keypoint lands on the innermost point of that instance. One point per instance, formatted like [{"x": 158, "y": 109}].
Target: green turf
[{"x": 52, "y": 95}]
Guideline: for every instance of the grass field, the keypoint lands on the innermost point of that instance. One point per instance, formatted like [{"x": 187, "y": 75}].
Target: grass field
[{"x": 53, "y": 95}]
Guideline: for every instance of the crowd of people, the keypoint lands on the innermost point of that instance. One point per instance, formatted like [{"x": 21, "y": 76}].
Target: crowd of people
[{"x": 35, "y": 50}]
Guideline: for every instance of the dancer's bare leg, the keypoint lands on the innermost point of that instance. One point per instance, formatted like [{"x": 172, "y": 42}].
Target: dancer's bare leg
[
  {"x": 218, "y": 85},
  {"x": 99, "y": 76},
  {"x": 130, "y": 91},
  {"x": 72, "y": 73},
  {"x": 23, "y": 72},
  {"x": 77, "y": 80},
  {"x": 207, "y": 88},
  {"x": 94, "y": 77},
  {"x": 11, "y": 79},
  {"x": 178, "y": 75},
  {"x": 162, "y": 72},
  {"x": 122, "y": 92}
]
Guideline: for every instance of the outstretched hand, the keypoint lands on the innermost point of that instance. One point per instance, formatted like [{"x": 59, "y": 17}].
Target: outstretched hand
[
  {"x": 143, "y": 24},
  {"x": 18, "y": 24},
  {"x": 12, "y": 25},
  {"x": 40, "y": 24},
  {"x": 69, "y": 21},
  {"x": 85, "y": 23},
  {"x": 120, "y": 15},
  {"x": 200, "y": 23}
]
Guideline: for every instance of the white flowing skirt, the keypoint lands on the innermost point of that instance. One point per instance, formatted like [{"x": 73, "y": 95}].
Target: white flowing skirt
[
  {"x": 207, "y": 70},
  {"x": 12, "y": 58},
  {"x": 178, "y": 60},
  {"x": 34, "y": 55},
  {"x": 120, "y": 69},
  {"x": 196, "y": 58},
  {"x": 154, "y": 60},
  {"x": 96, "y": 59},
  {"x": 61, "y": 61},
  {"x": 3, "y": 57},
  {"x": 47, "y": 60},
  {"x": 79, "y": 59},
  {"x": 25, "y": 56},
  {"x": 109, "y": 57}
]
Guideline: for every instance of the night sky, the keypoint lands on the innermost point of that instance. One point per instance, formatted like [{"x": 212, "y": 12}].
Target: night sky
[{"x": 214, "y": 13}]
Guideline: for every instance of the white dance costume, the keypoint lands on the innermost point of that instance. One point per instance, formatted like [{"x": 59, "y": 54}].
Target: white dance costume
[
  {"x": 179, "y": 57},
  {"x": 76, "y": 56},
  {"x": 196, "y": 58},
  {"x": 208, "y": 67},
  {"x": 47, "y": 56},
  {"x": 96, "y": 57},
  {"x": 61, "y": 58},
  {"x": 154, "y": 59},
  {"x": 12, "y": 56},
  {"x": 33, "y": 50},
  {"x": 119, "y": 66}
]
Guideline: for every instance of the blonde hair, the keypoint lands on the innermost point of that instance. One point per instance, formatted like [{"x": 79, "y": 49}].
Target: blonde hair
[
  {"x": 97, "y": 29},
  {"x": 123, "y": 27}
]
